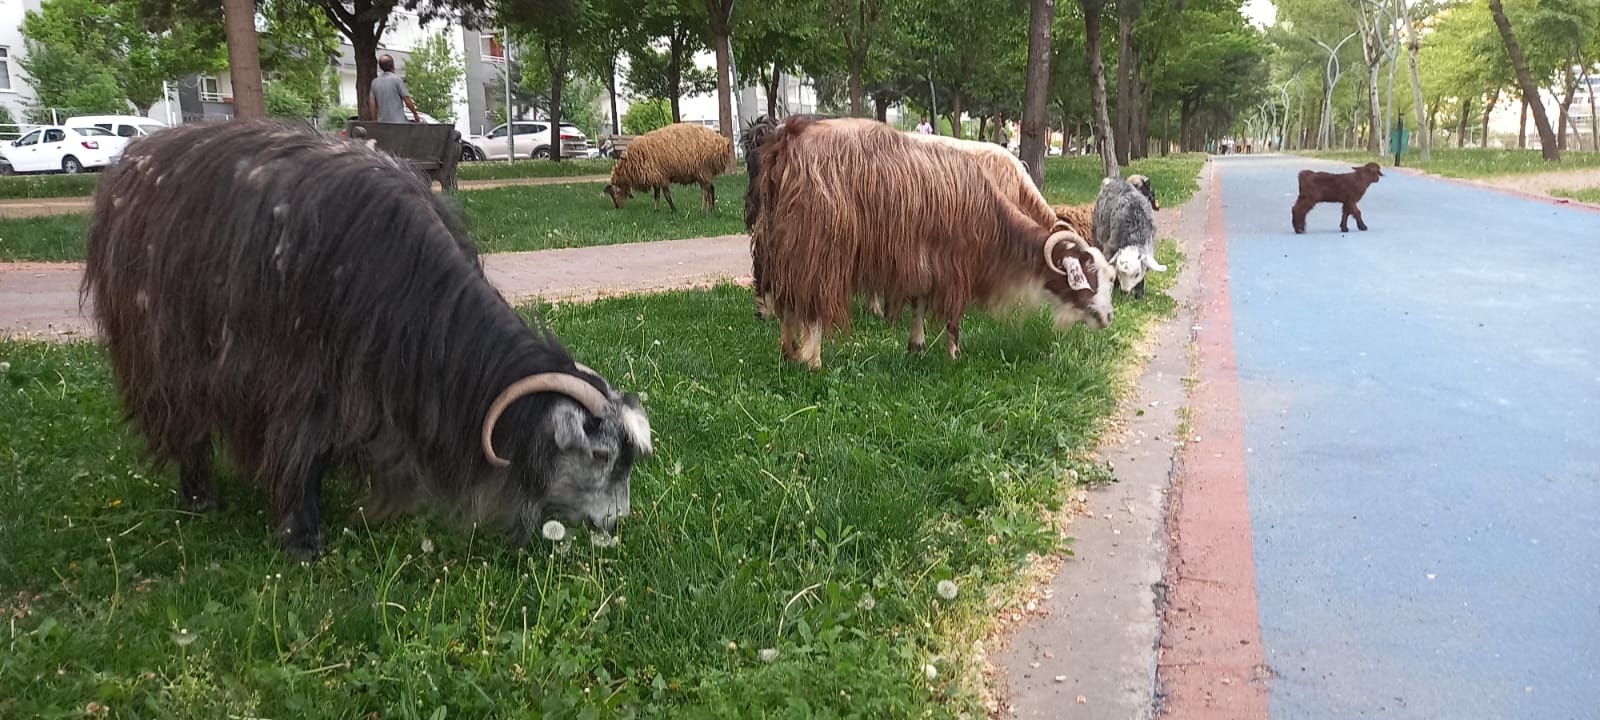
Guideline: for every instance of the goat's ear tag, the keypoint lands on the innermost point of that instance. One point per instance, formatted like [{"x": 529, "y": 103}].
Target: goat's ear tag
[{"x": 1075, "y": 277}]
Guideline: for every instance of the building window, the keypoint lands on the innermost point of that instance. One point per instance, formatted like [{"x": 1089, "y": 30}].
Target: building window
[
  {"x": 492, "y": 50},
  {"x": 5, "y": 68},
  {"x": 210, "y": 91}
]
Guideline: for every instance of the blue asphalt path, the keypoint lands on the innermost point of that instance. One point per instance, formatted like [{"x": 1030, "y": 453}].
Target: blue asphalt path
[{"x": 1422, "y": 416}]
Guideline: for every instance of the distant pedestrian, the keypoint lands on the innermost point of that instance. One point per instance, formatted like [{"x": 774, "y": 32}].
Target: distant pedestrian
[
  {"x": 390, "y": 96},
  {"x": 923, "y": 127}
]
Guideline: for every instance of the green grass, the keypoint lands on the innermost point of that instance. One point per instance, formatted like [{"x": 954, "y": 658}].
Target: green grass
[
  {"x": 31, "y": 187},
  {"x": 1076, "y": 180},
  {"x": 501, "y": 170},
  {"x": 578, "y": 215},
  {"x": 1471, "y": 162},
  {"x": 1589, "y": 195},
  {"x": 809, "y": 513},
  {"x": 55, "y": 238},
  {"x": 543, "y": 217}
]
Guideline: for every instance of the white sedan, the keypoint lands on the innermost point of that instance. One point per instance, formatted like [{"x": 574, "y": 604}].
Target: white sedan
[{"x": 57, "y": 148}]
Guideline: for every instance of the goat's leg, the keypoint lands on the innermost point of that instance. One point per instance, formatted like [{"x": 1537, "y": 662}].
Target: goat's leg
[
  {"x": 1297, "y": 216},
  {"x": 658, "y": 199},
  {"x": 952, "y": 329},
  {"x": 875, "y": 305},
  {"x": 1138, "y": 290},
  {"x": 786, "y": 343},
  {"x": 1355, "y": 212},
  {"x": 919, "y": 312},
  {"x": 811, "y": 345},
  {"x": 668, "y": 192},
  {"x": 708, "y": 197},
  {"x": 297, "y": 507},
  {"x": 198, "y": 486}
]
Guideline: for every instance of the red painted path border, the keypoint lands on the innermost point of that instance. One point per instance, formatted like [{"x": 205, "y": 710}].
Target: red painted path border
[{"x": 1211, "y": 663}]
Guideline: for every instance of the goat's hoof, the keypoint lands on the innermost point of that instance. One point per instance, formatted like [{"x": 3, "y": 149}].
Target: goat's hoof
[
  {"x": 202, "y": 504},
  {"x": 916, "y": 348}
]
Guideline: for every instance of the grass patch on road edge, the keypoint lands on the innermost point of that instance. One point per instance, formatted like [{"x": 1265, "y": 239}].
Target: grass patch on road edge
[
  {"x": 1469, "y": 162},
  {"x": 814, "y": 514},
  {"x": 1588, "y": 195}
]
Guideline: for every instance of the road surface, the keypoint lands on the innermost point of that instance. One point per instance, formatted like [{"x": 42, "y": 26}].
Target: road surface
[{"x": 1411, "y": 458}]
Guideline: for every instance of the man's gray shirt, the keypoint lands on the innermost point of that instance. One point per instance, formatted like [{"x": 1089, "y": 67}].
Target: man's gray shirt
[{"x": 391, "y": 92}]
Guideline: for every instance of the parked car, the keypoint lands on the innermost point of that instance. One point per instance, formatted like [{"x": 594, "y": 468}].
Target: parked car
[
  {"x": 533, "y": 141},
  {"x": 58, "y": 148},
  {"x": 128, "y": 126}
]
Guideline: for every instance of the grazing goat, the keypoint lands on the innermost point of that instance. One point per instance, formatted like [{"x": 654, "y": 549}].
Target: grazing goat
[
  {"x": 1346, "y": 189},
  {"x": 1078, "y": 218},
  {"x": 760, "y": 130},
  {"x": 1125, "y": 230},
  {"x": 682, "y": 153},
  {"x": 865, "y": 209},
  {"x": 310, "y": 302}
]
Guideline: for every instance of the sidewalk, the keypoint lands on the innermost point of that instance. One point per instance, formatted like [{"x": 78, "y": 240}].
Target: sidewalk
[
  {"x": 40, "y": 300},
  {"x": 45, "y": 207}
]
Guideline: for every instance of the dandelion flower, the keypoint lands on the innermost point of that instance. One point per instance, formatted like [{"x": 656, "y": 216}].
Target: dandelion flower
[
  {"x": 768, "y": 654},
  {"x": 184, "y": 638},
  {"x": 603, "y": 540},
  {"x": 947, "y": 589},
  {"x": 554, "y": 531},
  {"x": 5, "y": 367},
  {"x": 867, "y": 602},
  {"x": 427, "y": 546},
  {"x": 930, "y": 672},
  {"x": 733, "y": 645}
]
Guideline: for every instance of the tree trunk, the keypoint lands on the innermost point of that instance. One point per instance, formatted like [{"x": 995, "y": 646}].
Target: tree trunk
[
  {"x": 1372, "y": 50},
  {"x": 244, "y": 59},
  {"x": 1416, "y": 90},
  {"x": 771, "y": 88},
  {"x": 1124, "y": 87},
  {"x": 1104, "y": 137},
  {"x": 1035, "y": 140},
  {"x": 1522, "y": 127},
  {"x": 1461, "y": 123},
  {"x": 555, "y": 59},
  {"x": 1594, "y": 117},
  {"x": 1530, "y": 92},
  {"x": 983, "y": 124},
  {"x": 880, "y": 108},
  {"x": 675, "y": 74},
  {"x": 1494, "y": 99},
  {"x": 857, "y": 94},
  {"x": 955, "y": 115},
  {"x": 1566, "y": 106},
  {"x": 611, "y": 89},
  {"x": 720, "y": 12}
]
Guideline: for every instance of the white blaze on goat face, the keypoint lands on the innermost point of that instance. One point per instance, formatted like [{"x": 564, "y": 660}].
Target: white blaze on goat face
[
  {"x": 1098, "y": 314},
  {"x": 1129, "y": 266}
]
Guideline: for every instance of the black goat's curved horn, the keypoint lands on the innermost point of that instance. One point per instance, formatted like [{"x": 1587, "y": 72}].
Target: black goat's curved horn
[{"x": 563, "y": 383}]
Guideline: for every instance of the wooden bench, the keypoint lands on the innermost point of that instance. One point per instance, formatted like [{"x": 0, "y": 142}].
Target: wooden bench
[
  {"x": 434, "y": 150},
  {"x": 618, "y": 144}
]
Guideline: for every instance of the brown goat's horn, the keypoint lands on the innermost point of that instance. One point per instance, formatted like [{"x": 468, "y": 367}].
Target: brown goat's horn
[
  {"x": 563, "y": 383},
  {"x": 1050, "y": 245}
]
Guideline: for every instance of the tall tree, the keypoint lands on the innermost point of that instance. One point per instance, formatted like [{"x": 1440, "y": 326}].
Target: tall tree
[
  {"x": 555, "y": 30},
  {"x": 1035, "y": 96},
  {"x": 670, "y": 75},
  {"x": 432, "y": 74},
  {"x": 778, "y": 37},
  {"x": 721, "y": 14},
  {"x": 244, "y": 59},
  {"x": 1548, "y": 146},
  {"x": 299, "y": 53},
  {"x": 859, "y": 22},
  {"x": 1413, "y": 47},
  {"x": 1105, "y": 138}
]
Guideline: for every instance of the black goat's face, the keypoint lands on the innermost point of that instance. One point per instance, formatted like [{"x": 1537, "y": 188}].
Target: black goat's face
[
  {"x": 590, "y": 460},
  {"x": 619, "y": 194}
]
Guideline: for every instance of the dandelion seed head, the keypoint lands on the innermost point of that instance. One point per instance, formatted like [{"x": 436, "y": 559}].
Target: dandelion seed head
[
  {"x": 867, "y": 602},
  {"x": 768, "y": 654},
  {"x": 948, "y": 589},
  {"x": 554, "y": 531},
  {"x": 930, "y": 672}
]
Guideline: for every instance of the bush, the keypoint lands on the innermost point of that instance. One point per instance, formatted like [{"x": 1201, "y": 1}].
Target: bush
[
  {"x": 284, "y": 102},
  {"x": 338, "y": 117},
  {"x": 644, "y": 116}
]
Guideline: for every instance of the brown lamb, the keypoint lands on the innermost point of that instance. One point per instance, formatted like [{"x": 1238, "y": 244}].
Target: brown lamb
[{"x": 1343, "y": 188}]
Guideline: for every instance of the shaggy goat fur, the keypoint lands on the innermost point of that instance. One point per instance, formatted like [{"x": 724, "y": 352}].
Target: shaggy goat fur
[
  {"x": 1125, "y": 230},
  {"x": 682, "y": 153},
  {"x": 866, "y": 209},
  {"x": 1006, "y": 170},
  {"x": 310, "y": 302},
  {"x": 1080, "y": 218},
  {"x": 1347, "y": 189},
  {"x": 755, "y": 136}
]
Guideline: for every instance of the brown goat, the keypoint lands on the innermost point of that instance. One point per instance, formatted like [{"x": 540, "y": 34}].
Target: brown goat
[
  {"x": 1343, "y": 188},
  {"x": 865, "y": 209}
]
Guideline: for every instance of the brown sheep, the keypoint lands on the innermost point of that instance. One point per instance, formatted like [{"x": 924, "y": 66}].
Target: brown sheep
[
  {"x": 865, "y": 209},
  {"x": 1346, "y": 189},
  {"x": 682, "y": 153},
  {"x": 1080, "y": 218}
]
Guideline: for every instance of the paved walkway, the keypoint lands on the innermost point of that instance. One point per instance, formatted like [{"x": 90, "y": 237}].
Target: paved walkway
[
  {"x": 44, "y": 207},
  {"x": 1395, "y": 508},
  {"x": 41, "y": 299}
]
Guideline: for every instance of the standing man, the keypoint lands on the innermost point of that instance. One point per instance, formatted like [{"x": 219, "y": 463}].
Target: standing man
[
  {"x": 923, "y": 127},
  {"x": 390, "y": 96}
]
